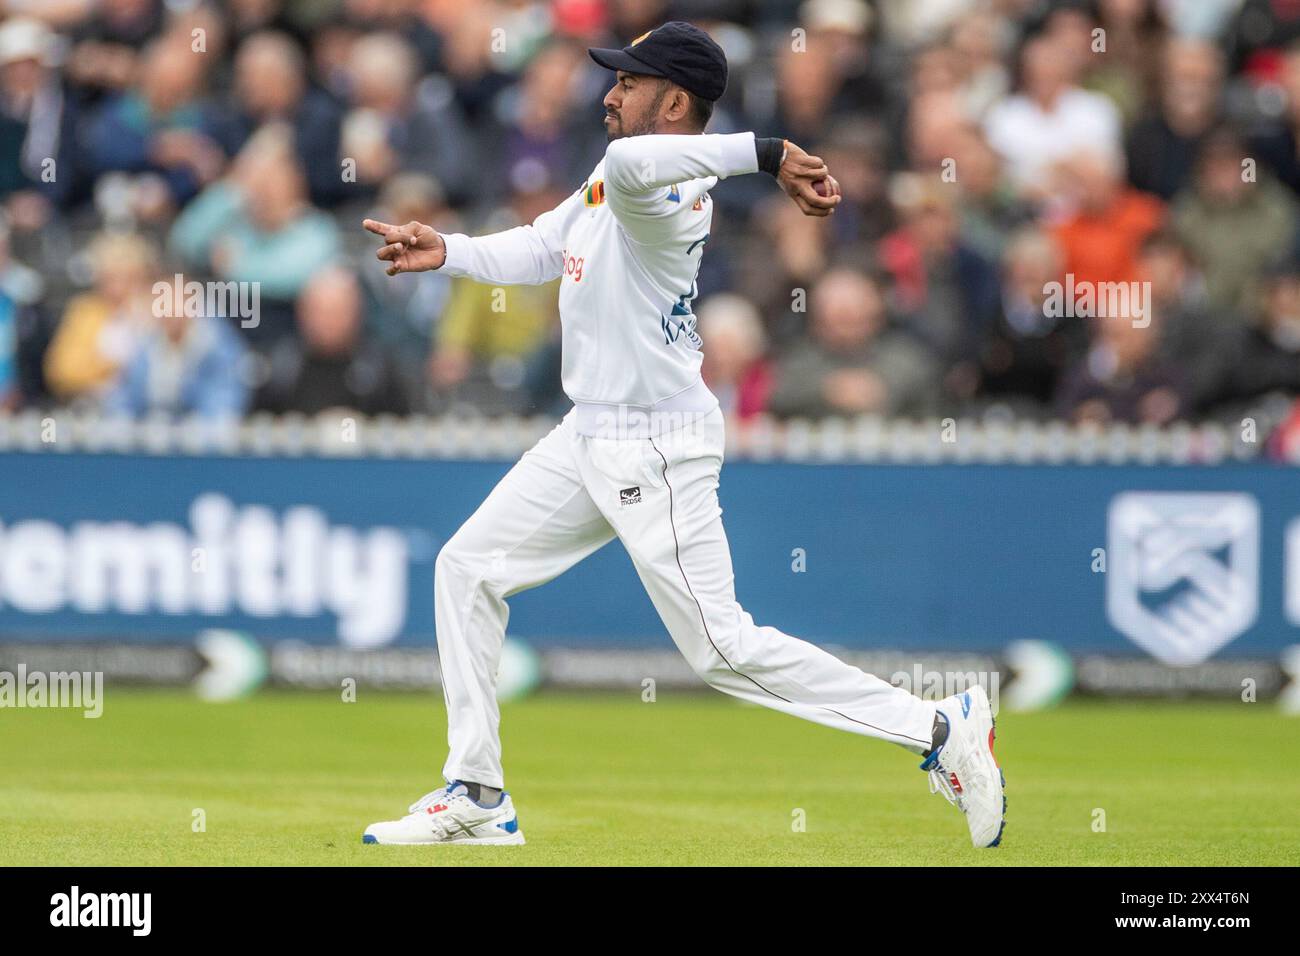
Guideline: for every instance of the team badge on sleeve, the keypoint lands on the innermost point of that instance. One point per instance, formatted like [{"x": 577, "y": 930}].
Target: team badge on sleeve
[{"x": 595, "y": 194}]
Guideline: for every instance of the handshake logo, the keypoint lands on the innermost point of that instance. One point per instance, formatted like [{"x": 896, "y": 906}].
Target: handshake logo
[{"x": 1183, "y": 579}]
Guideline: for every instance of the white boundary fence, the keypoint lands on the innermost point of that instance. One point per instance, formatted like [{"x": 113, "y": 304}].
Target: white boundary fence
[{"x": 861, "y": 440}]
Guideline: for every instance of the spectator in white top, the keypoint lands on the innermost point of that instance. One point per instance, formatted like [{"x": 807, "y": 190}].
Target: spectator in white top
[{"x": 1050, "y": 119}]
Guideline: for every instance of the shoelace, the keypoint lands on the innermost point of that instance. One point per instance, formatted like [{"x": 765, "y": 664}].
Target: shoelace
[
  {"x": 438, "y": 821},
  {"x": 441, "y": 795},
  {"x": 969, "y": 774},
  {"x": 939, "y": 783},
  {"x": 940, "y": 780}
]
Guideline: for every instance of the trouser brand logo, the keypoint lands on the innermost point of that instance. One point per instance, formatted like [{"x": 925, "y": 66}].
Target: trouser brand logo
[
  {"x": 630, "y": 496},
  {"x": 1184, "y": 571}
]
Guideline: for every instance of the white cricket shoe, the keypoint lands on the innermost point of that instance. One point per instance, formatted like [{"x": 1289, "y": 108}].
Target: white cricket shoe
[
  {"x": 964, "y": 770},
  {"x": 448, "y": 815}
]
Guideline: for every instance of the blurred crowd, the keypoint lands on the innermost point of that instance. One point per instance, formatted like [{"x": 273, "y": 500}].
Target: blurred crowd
[{"x": 988, "y": 149}]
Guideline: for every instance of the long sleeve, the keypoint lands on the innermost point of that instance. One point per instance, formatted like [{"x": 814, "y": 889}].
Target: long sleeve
[
  {"x": 638, "y": 168},
  {"x": 637, "y": 165},
  {"x": 524, "y": 255}
]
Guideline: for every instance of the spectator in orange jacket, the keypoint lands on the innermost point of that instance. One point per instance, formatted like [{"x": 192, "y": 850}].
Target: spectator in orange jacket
[{"x": 1102, "y": 234}]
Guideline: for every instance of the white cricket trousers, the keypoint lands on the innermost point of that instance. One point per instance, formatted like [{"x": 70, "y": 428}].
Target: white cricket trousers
[{"x": 565, "y": 498}]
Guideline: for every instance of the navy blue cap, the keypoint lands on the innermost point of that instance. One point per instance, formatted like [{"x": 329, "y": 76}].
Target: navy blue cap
[{"x": 676, "y": 51}]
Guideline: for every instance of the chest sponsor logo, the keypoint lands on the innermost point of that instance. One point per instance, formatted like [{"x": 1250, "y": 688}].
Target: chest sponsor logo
[
  {"x": 1184, "y": 571},
  {"x": 573, "y": 265}
]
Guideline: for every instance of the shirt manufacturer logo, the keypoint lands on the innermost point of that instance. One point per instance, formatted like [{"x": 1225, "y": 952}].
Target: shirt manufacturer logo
[{"x": 630, "y": 496}]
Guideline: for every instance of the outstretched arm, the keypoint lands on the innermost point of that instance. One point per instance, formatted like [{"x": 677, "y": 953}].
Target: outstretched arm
[
  {"x": 525, "y": 255},
  {"x": 637, "y": 166}
]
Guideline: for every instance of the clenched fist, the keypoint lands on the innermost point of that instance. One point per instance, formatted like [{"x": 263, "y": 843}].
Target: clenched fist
[{"x": 808, "y": 182}]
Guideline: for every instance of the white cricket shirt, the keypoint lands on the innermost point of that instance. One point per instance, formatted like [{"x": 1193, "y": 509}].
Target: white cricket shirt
[{"x": 628, "y": 246}]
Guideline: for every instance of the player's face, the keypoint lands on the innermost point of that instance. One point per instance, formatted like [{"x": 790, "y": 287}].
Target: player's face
[{"x": 632, "y": 106}]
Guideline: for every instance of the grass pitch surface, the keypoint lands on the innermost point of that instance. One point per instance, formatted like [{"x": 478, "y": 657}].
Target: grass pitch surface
[{"x": 294, "y": 778}]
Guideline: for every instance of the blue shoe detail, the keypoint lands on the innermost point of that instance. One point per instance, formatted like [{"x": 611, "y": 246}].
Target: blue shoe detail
[
  {"x": 997, "y": 839},
  {"x": 932, "y": 761},
  {"x": 369, "y": 838},
  {"x": 511, "y": 825},
  {"x": 1003, "y": 825},
  {"x": 965, "y": 704}
]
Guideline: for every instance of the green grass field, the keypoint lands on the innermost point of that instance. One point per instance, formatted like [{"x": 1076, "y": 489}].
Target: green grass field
[{"x": 290, "y": 778}]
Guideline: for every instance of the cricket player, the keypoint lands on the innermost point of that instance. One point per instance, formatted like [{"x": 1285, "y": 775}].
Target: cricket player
[{"x": 638, "y": 456}]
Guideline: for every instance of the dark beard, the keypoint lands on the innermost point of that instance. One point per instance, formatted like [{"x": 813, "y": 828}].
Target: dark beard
[
  {"x": 622, "y": 131},
  {"x": 646, "y": 126}
]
